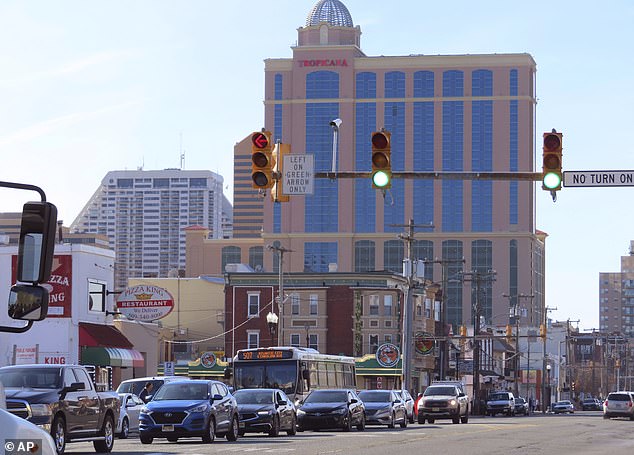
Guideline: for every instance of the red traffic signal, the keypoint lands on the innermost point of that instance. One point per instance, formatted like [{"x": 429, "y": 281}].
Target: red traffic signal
[
  {"x": 381, "y": 160},
  {"x": 262, "y": 162}
]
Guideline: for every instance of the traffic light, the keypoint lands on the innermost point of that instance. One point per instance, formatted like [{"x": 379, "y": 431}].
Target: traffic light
[
  {"x": 574, "y": 386},
  {"x": 542, "y": 330},
  {"x": 509, "y": 332},
  {"x": 381, "y": 160},
  {"x": 262, "y": 162},
  {"x": 551, "y": 169},
  {"x": 463, "y": 331}
]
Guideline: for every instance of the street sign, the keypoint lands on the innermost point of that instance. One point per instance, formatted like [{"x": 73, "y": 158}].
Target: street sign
[
  {"x": 299, "y": 174},
  {"x": 598, "y": 178}
]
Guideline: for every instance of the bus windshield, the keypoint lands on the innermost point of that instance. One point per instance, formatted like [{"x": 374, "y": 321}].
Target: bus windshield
[{"x": 265, "y": 375}]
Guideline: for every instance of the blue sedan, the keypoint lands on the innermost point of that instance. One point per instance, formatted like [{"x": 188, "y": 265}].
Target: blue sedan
[{"x": 191, "y": 408}]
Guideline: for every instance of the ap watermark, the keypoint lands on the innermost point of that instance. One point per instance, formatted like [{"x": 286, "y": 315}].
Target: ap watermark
[{"x": 22, "y": 446}]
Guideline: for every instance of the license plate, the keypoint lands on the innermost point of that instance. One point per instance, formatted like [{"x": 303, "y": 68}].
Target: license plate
[
  {"x": 168, "y": 427},
  {"x": 435, "y": 409}
]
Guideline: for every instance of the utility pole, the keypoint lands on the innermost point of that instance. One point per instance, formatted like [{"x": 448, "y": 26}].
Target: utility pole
[
  {"x": 544, "y": 356},
  {"x": 280, "y": 293},
  {"x": 515, "y": 317},
  {"x": 478, "y": 278},
  {"x": 407, "y": 346}
]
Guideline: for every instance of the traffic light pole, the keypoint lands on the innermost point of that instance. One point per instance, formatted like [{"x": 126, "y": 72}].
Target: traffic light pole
[{"x": 442, "y": 175}]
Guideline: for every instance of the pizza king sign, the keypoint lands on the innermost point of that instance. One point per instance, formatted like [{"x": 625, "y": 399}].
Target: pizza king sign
[{"x": 145, "y": 303}]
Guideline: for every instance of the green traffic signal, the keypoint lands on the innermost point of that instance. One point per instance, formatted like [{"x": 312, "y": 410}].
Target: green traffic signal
[
  {"x": 380, "y": 179},
  {"x": 552, "y": 181}
]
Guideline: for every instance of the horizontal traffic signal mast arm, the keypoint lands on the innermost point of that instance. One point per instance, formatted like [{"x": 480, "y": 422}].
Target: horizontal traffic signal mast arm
[{"x": 441, "y": 175}]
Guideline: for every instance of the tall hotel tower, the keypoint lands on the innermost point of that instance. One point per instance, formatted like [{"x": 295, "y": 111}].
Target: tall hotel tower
[
  {"x": 472, "y": 113},
  {"x": 144, "y": 214}
]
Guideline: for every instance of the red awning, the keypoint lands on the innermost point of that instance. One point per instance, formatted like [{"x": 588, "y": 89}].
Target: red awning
[{"x": 97, "y": 335}]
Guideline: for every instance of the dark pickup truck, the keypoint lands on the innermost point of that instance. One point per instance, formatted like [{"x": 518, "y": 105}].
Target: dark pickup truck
[{"x": 62, "y": 399}]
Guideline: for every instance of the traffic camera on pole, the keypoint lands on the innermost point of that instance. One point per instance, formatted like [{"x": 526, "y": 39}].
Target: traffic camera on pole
[
  {"x": 552, "y": 154},
  {"x": 381, "y": 160},
  {"x": 262, "y": 162}
]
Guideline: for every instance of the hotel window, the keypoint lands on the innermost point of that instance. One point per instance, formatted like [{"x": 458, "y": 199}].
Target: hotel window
[
  {"x": 364, "y": 256},
  {"x": 253, "y": 305},
  {"x": 374, "y": 305},
  {"x": 295, "y": 304},
  {"x": 314, "y": 302},
  {"x": 387, "y": 305},
  {"x": 374, "y": 323},
  {"x": 388, "y": 323},
  {"x": 253, "y": 339},
  {"x": 295, "y": 340}
]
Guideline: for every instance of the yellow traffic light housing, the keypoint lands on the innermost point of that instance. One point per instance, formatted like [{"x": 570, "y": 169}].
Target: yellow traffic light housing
[
  {"x": 542, "y": 330},
  {"x": 509, "y": 332},
  {"x": 552, "y": 161},
  {"x": 262, "y": 162},
  {"x": 381, "y": 160}
]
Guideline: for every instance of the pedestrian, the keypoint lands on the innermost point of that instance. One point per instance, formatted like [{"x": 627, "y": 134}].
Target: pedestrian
[
  {"x": 531, "y": 405},
  {"x": 145, "y": 394}
]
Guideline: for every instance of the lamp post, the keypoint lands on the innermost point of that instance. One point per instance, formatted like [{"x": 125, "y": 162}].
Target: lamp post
[
  {"x": 548, "y": 385},
  {"x": 272, "y": 320}
]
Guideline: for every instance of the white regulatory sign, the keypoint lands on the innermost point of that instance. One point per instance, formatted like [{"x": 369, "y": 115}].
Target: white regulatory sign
[
  {"x": 299, "y": 174},
  {"x": 598, "y": 178}
]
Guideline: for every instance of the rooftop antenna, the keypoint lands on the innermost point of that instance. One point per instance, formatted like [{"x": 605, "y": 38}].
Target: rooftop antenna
[{"x": 182, "y": 153}]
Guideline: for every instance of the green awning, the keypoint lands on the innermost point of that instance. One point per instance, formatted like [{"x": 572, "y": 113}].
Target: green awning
[
  {"x": 369, "y": 366},
  {"x": 116, "y": 357}
]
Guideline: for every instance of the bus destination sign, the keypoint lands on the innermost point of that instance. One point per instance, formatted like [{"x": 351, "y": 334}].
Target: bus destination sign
[{"x": 267, "y": 354}]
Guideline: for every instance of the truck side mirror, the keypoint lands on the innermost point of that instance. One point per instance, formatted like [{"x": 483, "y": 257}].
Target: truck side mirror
[
  {"x": 28, "y": 303},
  {"x": 37, "y": 242}
]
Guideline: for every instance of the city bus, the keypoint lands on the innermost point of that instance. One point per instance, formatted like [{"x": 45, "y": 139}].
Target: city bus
[{"x": 295, "y": 370}]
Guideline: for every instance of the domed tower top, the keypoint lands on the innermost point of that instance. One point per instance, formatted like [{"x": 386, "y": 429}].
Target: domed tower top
[
  {"x": 331, "y": 11},
  {"x": 329, "y": 23}
]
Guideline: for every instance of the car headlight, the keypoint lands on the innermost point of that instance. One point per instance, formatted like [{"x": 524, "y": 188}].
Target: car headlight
[
  {"x": 265, "y": 413},
  {"x": 453, "y": 402},
  {"x": 145, "y": 410},
  {"x": 300, "y": 412},
  {"x": 40, "y": 410},
  {"x": 201, "y": 408},
  {"x": 340, "y": 410}
]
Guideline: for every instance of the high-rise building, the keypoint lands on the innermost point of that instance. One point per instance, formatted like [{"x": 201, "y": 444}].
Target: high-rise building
[
  {"x": 445, "y": 113},
  {"x": 143, "y": 213},
  {"x": 616, "y": 298}
]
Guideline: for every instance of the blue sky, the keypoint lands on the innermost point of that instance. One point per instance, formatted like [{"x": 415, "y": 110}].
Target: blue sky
[{"x": 92, "y": 86}]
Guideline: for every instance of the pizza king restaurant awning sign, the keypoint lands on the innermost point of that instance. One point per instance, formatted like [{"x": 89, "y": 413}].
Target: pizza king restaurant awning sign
[{"x": 145, "y": 303}]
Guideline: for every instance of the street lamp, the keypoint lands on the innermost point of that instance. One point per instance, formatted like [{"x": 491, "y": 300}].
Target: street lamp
[{"x": 272, "y": 320}]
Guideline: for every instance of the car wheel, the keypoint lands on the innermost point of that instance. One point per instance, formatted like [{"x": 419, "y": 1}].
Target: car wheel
[
  {"x": 234, "y": 429},
  {"x": 146, "y": 439},
  {"x": 107, "y": 443},
  {"x": 125, "y": 429},
  {"x": 411, "y": 418},
  {"x": 292, "y": 431},
  {"x": 392, "y": 419},
  {"x": 361, "y": 426},
  {"x": 58, "y": 432},
  {"x": 431, "y": 421},
  {"x": 403, "y": 424},
  {"x": 455, "y": 420},
  {"x": 347, "y": 425},
  {"x": 421, "y": 420},
  {"x": 275, "y": 427},
  {"x": 465, "y": 418},
  {"x": 210, "y": 434}
]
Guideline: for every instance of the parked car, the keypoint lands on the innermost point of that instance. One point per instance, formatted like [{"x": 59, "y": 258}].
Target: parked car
[
  {"x": 619, "y": 404},
  {"x": 501, "y": 403},
  {"x": 412, "y": 415},
  {"x": 591, "y": 404},
  {"x": 521, "y": 406},
  {"x": 443, "y": 401},
  {"x": 563, "y": 406},
  {"x": 136, "y": 385},
  {"x": 131, "y": 406},
  {"x": 331, "y": 408},
  {"x": 384, "y": 407},
  {"x": 190, "y": 408},
  {"x": 265, "y": 411},
  {"x": 51, "y": 395}
]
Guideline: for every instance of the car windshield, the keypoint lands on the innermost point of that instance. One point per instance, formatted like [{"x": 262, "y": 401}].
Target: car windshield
[
  {"x": 330, "y": 396},
  {"x": 439, "y": 390},
  {"x": 182, "y": 391},
  {"x": 499, "y": 396},
  {"x": 253, "y": 396},
  {"x": 136, "y": 387},
  {"x": 619, "y": 397},
  {"x": 375, "y": 396},
  {"x": 562, "y": 403},
  {"x": 40, "y": 378}
]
